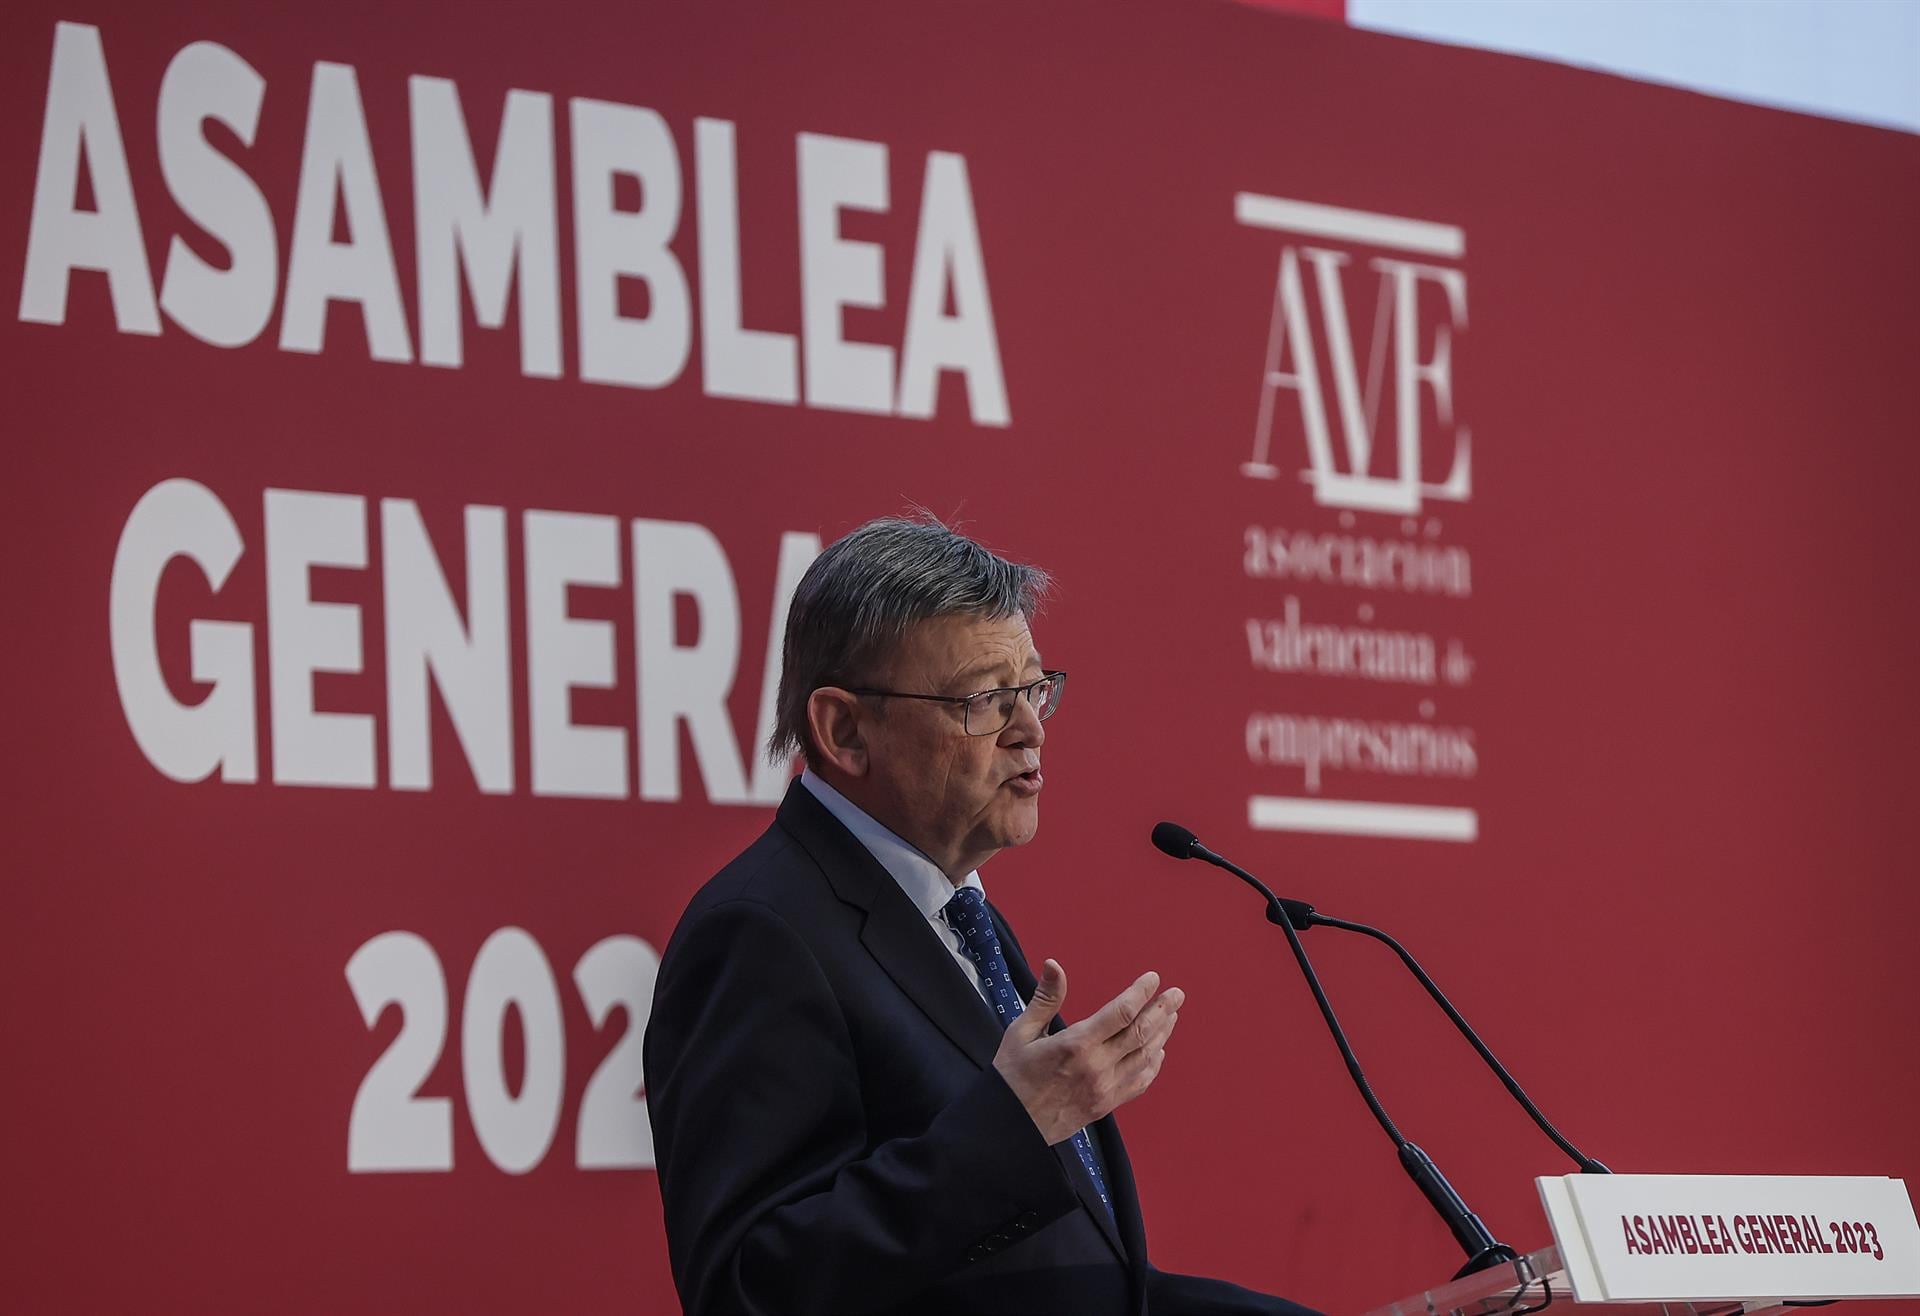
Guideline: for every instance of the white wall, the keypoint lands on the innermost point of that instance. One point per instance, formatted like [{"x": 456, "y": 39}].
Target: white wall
[{"x": 1847, "y": 59}]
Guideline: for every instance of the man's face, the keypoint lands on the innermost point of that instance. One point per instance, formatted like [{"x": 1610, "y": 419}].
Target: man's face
[{"x": 959, "y": 798}]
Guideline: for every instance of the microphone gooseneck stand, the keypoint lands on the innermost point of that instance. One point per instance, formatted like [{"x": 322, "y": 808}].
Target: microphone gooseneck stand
[
  {"x": 1304, "y": 916},
  {"x": 1294, "y": 916},
  {"x": 1587, "y": 1164}
]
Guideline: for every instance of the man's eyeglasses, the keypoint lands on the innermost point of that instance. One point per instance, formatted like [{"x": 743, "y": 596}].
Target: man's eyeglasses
[{"x": 988, "y": 712}]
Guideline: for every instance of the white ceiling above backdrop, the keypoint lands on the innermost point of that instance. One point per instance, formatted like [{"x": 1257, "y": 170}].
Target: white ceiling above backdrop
[{"x": 1845, "y": 59}]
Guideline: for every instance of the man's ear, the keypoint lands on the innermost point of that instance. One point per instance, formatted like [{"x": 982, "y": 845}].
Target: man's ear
[{"x": 835, "y": 723}]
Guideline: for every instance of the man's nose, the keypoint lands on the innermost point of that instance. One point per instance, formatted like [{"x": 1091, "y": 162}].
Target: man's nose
[{"x": 1025, "y": 727}]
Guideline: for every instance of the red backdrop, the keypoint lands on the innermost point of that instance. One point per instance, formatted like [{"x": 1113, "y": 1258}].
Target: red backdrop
[{"x": 1649, "y": 650}]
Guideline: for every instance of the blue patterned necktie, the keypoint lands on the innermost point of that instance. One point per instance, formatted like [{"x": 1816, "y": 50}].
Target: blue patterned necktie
[{"x": 967, "y": 914}]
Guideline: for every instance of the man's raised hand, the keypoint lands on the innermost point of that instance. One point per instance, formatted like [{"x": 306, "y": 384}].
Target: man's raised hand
[{"x": 1069, "y": 1079}]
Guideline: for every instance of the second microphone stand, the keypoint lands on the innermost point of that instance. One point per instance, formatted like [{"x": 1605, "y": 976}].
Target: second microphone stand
[
  {"x": 1482, "y": 1249},
  {"x": 1293, "y": 917}
]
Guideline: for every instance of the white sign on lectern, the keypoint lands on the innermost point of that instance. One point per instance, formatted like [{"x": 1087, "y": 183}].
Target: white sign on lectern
[{"x": 1680, "y": 1237}]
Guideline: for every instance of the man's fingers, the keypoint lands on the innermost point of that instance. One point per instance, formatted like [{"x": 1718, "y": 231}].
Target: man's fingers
[
  {"x": 1149, "y": 1027},
  {"x": 1049, "y": 994},
  {"x": 1122, "y": 1010},
  {"x": 1150, "y": 1032},
  {"x": 1137, "y": 1072},
  {"x": 1093, "y": 1067}
]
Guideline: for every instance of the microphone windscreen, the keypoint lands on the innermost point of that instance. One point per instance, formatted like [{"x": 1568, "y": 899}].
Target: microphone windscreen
[{"x": 1173, "y": 839}]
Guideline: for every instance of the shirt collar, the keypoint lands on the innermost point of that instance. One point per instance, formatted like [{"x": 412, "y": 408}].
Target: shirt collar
[{"x": 926, "y": 886}]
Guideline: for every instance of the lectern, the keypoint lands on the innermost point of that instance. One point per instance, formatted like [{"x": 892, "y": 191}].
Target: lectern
[
  {"x": 1529, "y": 1284},
  {"x": 1698, "y": 1245}
]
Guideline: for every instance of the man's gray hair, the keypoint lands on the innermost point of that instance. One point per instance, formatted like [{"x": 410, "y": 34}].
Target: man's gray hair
[{"x": 859, "y": 598}]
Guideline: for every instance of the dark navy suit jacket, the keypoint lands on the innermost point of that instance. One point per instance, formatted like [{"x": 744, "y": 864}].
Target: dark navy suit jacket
[{"x": 830, "y": 1131}]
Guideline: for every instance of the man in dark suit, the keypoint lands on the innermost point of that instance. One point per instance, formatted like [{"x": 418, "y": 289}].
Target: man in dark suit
[{"x": 863, "y": 1100}]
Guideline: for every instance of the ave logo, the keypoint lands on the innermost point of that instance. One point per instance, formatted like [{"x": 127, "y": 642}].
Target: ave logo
[{"x": 1420, "y": 305}]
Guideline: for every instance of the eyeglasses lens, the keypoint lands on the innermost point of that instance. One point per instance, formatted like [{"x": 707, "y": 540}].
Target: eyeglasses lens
[{"x": 988, "y": 713}]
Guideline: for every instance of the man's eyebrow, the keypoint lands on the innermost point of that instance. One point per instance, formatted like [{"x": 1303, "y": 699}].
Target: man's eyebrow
[{"x": 993, "y": 667}]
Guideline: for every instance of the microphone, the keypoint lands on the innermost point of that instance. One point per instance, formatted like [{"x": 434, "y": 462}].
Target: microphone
[
  {"x": 1177, "y": 841},
  {"x": 1291, "y": 917}
]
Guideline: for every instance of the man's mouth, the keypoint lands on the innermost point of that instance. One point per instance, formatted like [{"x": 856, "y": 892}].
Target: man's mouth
[{"x": 1028, "y": 782}]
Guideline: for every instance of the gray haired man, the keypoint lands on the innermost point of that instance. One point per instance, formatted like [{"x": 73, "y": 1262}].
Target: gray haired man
[{"x": 863, "y": 1099}]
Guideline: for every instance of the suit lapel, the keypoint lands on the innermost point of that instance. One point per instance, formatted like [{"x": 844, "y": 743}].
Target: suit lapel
[
  {"x": 894, "y": 933},
  {"x": 1105, "y": 1135},
  {"x": 897, "y": 936}
]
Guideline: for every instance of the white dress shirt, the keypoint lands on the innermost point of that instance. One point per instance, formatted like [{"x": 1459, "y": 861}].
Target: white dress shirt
[{"x": 925, "y": 884}]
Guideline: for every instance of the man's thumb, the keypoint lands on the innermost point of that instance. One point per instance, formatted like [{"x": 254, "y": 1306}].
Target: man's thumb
[{"x": 1049, "y": 994}]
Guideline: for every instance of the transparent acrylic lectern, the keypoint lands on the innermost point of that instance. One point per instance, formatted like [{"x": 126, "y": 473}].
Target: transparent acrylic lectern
[{"x": 1539, "y": 1278}]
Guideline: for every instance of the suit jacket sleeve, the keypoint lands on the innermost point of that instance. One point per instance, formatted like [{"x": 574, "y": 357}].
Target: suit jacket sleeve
[
  {"x": 1169, "y": 1294},
  {"x": 775, "y": 1201}
]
